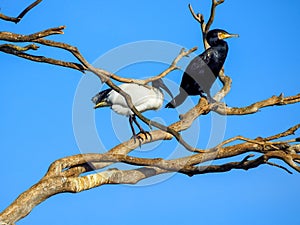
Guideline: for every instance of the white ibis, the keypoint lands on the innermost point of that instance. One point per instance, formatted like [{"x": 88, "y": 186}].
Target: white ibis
[{"x": 144, "y": 97}]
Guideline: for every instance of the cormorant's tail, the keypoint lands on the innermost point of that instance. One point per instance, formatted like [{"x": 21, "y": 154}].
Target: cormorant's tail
[{"x": 178, "y": 100}]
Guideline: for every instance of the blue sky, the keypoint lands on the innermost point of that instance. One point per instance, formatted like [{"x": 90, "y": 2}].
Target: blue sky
[{"x": 37, "y": 109}]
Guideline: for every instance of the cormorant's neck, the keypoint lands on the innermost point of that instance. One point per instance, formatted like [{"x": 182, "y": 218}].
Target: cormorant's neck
[{"x": 218, "y": 43}]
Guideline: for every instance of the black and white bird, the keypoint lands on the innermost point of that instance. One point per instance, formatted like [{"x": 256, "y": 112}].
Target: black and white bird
[
  {"x": 144, "y": 98},
  {"x": 204, "y": 69}
]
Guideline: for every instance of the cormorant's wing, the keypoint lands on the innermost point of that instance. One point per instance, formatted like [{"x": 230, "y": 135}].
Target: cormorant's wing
[{"x": 198, "y": 77}]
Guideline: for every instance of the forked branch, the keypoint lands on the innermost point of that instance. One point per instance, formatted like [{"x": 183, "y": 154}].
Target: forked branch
[
  {"x": 69, "y": 174},
  {"x": 61, "y": 176},
  {"x": 200, "y": 19}
]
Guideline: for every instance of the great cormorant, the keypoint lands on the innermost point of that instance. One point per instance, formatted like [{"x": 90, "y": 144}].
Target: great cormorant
[
  {"x": 203, "y": 70},
  {"x": 144, "y": 97}
]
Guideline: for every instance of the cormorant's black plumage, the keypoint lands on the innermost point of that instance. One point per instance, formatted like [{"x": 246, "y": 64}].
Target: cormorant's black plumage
[{"x": 203, "y": 70}]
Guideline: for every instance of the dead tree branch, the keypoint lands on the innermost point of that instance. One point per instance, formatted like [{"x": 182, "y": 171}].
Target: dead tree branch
[
  {"x": 200, "y": 19},
  {"x": 255, "y": 107},
  {"x": 58, "y": 179},
  {"x": 21, "y": 15},
  {"x": 69, "y": 174}
]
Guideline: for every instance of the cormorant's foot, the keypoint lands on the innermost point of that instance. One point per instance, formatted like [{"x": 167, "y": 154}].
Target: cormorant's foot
[
  {"x": 218, "y": 106},
  {"x": 211, "y": 100},
  {"x": 181, "y": 116}
]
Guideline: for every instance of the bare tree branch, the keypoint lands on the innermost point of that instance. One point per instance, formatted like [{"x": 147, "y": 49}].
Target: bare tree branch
[
  {"x": 19, "y": 48},
  {"x": 8, "y": 36},
  {"x": 226, "y": 81},
  {"x": 288, "y": 132},
  {"x": 21, "y": 15},
  {"x": 173, "y": 66},
  {"x": 253, "y": 108},
  {"x": 211, "y": 19},
  {"x": 19, "y": 51},
  {"x": 69, "y": 174},
  {"x": 200, "y": 19},
  {"x": 58, "y": 181}
]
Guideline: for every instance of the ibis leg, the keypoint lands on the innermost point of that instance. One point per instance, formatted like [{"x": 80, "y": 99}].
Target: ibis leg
[
  {"x": 135, "y": 136},
  {"x": 141, "y": 129},
  {"x": 131, "y": 126}
]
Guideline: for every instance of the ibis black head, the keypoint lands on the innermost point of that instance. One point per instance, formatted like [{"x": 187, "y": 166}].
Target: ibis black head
[
  {"x": 214, "y": 36},
  {"x": 160, "y": 84}
]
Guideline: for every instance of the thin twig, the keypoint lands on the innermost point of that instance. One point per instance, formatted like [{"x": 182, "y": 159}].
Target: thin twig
[
  {"x": 173, "y": 66},
  {"x": 21, "y": 15},
  {"x": 19, "y": 51},
  {"x": 200, "y": 19},
  {"x": 214, "y": 5},
  {"x": 279, "y": 166},
  {"x": 288, "y": 132},
  {"x": 19, "y": 48},
  {"x": 253, "y": 108}
]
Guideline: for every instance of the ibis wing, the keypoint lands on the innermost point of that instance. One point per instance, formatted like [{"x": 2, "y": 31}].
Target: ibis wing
[{"x": 144, "y": 98}]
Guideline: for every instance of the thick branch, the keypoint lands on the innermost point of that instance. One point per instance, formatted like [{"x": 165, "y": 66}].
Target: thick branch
[
  {"x": 259, "y": 144},
  {"x": 226, "y": 81},
  {"x": 56, "y": 181}
]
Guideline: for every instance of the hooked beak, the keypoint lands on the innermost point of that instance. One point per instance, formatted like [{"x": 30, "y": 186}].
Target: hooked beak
[
  {"x": 101, "y": 104},
  {"x": 226, "y": 35}
]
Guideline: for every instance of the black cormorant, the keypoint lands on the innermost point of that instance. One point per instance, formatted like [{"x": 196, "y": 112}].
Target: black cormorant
[{"x": 203, "y": 70}]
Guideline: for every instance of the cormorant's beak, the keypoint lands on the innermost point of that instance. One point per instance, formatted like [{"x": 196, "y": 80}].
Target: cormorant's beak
[
  {"x": 163, "y": 86},
  {"x": 227, "y": 35},
  {"x": 101, "y": 104}
]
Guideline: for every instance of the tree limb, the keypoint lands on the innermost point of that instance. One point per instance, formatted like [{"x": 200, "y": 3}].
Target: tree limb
[
  {"x": 69, "y": 174},
  {"x": 19, "y": 51},
  {"x": 253, "y": 108},
  {"x": 21, "y": 15},
  {"x": 57, "y": 180}
]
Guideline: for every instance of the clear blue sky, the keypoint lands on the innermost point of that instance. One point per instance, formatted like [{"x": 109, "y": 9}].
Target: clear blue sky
[{"x": 37, "y": 106}]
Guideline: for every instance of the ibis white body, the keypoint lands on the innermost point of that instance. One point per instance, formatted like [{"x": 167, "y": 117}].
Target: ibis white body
[{"x": 143, "y": 98}]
